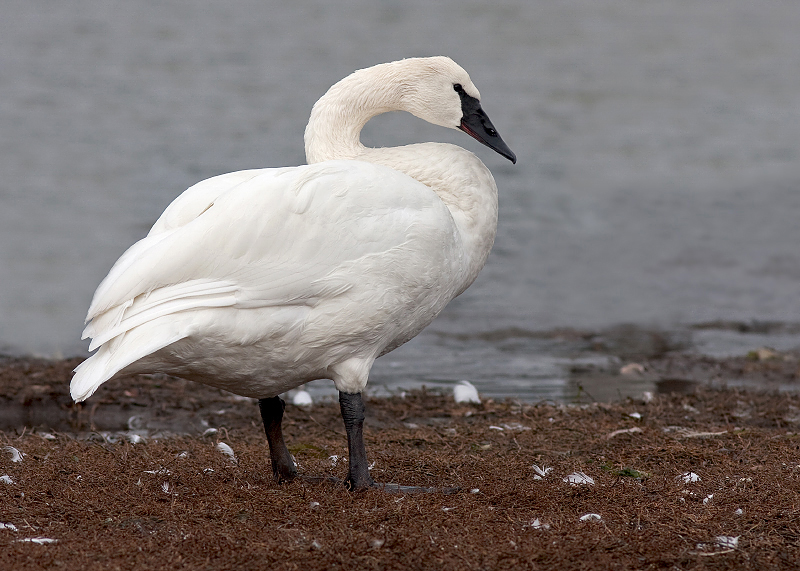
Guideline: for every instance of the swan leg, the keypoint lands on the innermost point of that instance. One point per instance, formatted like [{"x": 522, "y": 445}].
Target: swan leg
[
  {"x": 352, "y": 407},
  {"x": 272, "y": 414}
]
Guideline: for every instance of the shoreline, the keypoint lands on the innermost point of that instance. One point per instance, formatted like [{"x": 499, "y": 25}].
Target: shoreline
[
  {"x": 35, "y": 391},
  {"x": 146, "y": 497}
]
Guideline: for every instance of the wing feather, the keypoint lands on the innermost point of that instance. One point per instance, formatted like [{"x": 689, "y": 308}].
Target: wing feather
[
  {"x": 272, "y": 237},
  {"x": 194, "y": 200}
]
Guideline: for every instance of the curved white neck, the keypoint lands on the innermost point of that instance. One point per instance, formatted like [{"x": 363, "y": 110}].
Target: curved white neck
[{"x": 334, "y": 128}]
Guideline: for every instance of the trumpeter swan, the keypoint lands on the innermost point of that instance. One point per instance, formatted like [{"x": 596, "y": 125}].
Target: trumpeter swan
[{"x": 259, "y": 281}]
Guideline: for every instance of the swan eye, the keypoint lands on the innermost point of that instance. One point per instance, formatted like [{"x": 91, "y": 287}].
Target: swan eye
[{"x": 458, "y": 88}]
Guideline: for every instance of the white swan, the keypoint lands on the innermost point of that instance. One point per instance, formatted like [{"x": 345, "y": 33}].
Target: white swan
[{"x": 261, "y": 280}]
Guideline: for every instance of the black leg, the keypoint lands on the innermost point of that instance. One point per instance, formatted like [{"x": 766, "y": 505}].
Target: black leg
[
  {"x": 272, "y": 414},
  {"x": 352, "y": 407}
]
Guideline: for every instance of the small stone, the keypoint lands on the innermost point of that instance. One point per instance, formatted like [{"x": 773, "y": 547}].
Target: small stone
[
  {"x": 536, "y": 524},
  {"x": 763, "y": 354},
  {"x": 39, "y": 540},
  {"x": 727, "y": 541},
  {"x": 591, "y": 517},
  {"x": 632, "y": 369}
]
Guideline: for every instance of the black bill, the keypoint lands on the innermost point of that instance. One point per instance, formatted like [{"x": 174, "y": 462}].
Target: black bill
[{"x": 477, "y": 125}]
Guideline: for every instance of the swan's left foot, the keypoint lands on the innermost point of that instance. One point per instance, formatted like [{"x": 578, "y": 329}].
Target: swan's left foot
[
  {"x": 388, "y": 488},
  {"x": 352, "y": 407},
  {"x": 283, "y": 468},
  {"x": 358, "y": 478},
  {"x": 399, "y": 489}
]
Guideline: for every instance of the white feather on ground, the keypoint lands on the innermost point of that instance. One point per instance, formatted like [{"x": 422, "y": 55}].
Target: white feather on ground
[
  {"x": 302, "y": 398},
  {"x": 579, "y": 478},
  {"x": 465, "y": 391},
  {"x": 16, "y": 455}
]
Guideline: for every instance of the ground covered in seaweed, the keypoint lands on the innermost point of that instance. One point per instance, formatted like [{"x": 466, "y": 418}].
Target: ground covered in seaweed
[{"x": 706, "y": 480}]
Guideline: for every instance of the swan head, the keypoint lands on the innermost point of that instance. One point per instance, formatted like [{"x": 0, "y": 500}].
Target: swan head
[
  {"x": 439, "y": 91},
  {"x": 435, "y": 89}
]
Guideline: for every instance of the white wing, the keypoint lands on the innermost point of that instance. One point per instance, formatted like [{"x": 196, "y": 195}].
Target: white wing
[
  {"x": 194, "y": 200},
  {"x": 272, "y": 237}
]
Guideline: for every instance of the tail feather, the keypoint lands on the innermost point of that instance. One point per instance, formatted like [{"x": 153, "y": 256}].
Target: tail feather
[
  {"x": 134, "y": 329},
  {"x": 170, "y": 308},
  {"x": 114, "y": 356}
]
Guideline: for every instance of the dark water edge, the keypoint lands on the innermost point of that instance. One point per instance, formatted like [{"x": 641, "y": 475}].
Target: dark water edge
[
  {"x": 624, "y": 365},
  {"x": 561, "y": 366}
]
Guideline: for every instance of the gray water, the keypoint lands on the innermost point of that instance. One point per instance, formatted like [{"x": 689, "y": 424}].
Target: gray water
[{"x": 658, "y": 180}]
